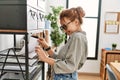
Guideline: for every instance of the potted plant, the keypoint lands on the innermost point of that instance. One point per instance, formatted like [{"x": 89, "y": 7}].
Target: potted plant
[
  {"x": 56, "y": 36},
  {"x": 114, "y": 45}
]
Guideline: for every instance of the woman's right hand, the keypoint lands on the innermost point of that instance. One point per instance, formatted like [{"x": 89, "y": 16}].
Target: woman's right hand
[{"x": 43, "y": 43}]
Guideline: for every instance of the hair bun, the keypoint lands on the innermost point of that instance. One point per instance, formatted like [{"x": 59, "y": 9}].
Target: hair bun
[{"x": 81, "y": 11}]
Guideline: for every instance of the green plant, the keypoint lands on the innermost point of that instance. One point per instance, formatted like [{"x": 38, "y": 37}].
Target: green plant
[
  {"x": 56, "y": 36},
  {"x": 114, "y": 44}
]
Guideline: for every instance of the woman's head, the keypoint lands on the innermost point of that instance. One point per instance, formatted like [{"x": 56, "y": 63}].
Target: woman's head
[{"x": 71, "y": 19}]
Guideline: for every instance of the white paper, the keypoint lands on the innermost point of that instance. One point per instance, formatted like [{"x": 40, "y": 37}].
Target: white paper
[
  {"x": 21, "y": 60},
  {"x": 32, "y": 54},
  {"x": 111, "y": 28},
  {"x": 18, "y": 68}
]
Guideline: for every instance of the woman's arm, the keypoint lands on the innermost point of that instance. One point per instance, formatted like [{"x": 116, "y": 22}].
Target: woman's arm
[{"x": 50, "y": 52}]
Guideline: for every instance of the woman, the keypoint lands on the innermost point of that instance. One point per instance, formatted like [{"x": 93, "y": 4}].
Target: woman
[{"x": 73, "y": 54}]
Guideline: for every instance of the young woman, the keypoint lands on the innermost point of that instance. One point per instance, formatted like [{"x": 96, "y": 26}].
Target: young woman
[{"x": 73, "y": 54}]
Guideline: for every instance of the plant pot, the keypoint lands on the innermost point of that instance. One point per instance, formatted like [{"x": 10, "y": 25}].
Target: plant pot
[{"x": 113, "y": 48}]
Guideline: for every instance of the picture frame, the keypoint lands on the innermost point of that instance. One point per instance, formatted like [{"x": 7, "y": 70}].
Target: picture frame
[{"x": 112, "y": 22}]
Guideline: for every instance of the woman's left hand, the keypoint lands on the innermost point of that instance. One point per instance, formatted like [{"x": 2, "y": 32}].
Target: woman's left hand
[
  {"x": 41, "y": 54},
  {"x": 43, "y": 43}
]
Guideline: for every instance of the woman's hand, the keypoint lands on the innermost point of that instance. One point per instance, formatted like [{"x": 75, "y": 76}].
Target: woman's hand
[
  {"x": 41, "y": 54},
  {"x": 43, "y": 43}
]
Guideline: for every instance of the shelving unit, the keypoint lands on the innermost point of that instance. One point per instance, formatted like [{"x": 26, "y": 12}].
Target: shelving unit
[
  {"x": 21, "y": 17},
  {"x": 21, "y": 67}
]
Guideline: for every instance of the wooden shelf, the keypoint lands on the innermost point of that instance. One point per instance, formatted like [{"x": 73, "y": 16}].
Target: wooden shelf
[{"x": 11, "y": 31}]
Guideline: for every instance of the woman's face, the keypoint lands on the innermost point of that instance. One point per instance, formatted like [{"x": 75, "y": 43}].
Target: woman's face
[{"x": 69, "y": 26}]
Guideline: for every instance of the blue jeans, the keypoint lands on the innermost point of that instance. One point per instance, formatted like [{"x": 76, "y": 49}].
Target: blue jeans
[{"x": 69, "y": 76}]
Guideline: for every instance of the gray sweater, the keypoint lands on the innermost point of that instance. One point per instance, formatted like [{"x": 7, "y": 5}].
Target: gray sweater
[{"x": 72, "y": 55}]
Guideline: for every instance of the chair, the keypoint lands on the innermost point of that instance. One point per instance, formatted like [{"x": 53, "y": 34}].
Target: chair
[{"x": 111, "y": 75}]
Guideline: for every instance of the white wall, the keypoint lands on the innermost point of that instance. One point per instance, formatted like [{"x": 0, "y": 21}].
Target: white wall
[
  {"x": 105, "y": 40},
  {"x": 6, "y": 41}
]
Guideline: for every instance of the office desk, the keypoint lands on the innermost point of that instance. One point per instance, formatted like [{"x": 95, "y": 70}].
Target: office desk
[{"x": 116, "y": 68}]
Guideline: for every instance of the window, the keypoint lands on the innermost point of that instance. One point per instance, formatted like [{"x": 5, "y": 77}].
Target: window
[{"x": 91, "y": 23}]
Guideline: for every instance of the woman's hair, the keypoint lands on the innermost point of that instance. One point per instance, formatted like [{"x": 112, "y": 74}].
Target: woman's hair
[{"x": 72, "y": 14}]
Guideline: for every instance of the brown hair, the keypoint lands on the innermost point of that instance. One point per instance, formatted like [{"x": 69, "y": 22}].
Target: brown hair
[{"x": 72, "y": 14}]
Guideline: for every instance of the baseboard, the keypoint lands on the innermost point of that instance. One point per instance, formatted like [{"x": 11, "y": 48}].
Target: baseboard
[{"x": 85, "y": 73}]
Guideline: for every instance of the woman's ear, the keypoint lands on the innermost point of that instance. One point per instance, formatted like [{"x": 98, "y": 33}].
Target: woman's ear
[{"x": 76, "y": 21}]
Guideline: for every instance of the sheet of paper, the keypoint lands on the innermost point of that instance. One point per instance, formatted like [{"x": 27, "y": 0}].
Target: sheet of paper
[
  {"x": 112, "y": 28},
  {"x": 14, "y": 67}
]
